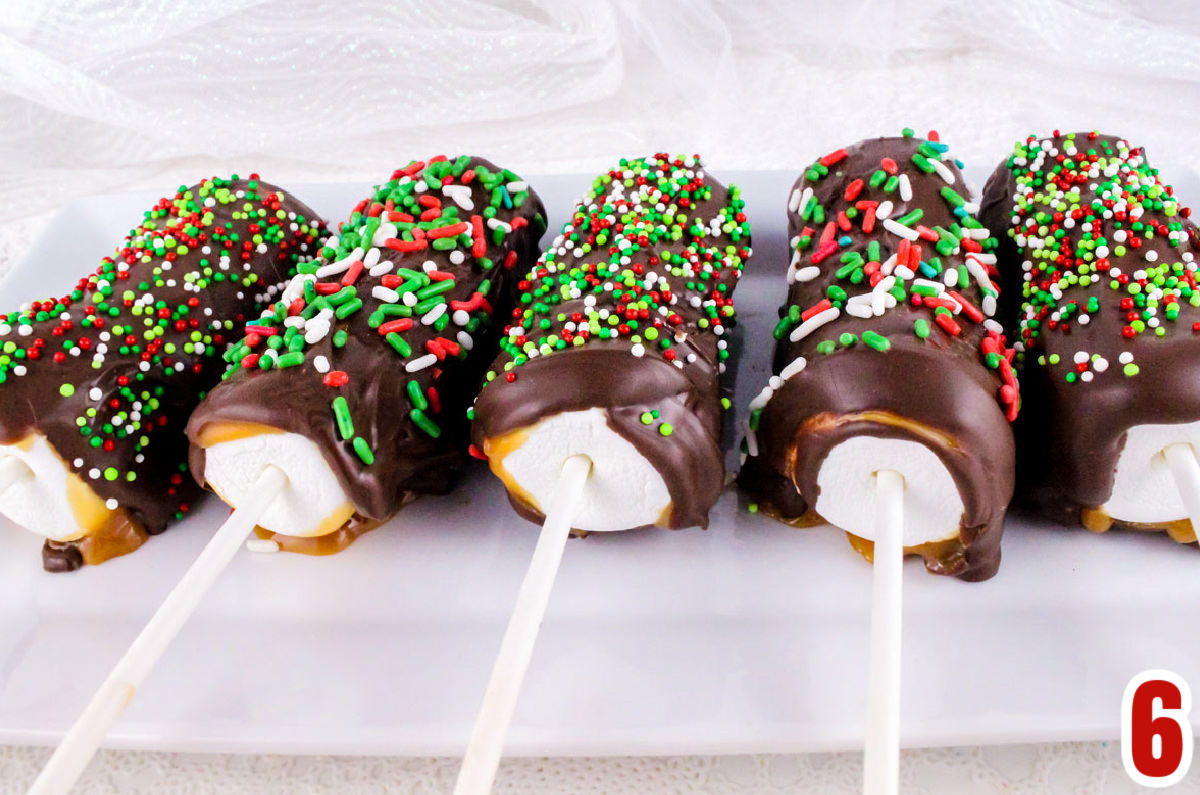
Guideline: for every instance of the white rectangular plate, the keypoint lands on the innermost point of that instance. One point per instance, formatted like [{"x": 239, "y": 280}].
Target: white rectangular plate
[{"x": 747, "y": 637}]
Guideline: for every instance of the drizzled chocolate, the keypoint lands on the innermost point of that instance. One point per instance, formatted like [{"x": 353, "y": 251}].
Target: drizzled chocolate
[
  {"x": 627, "y": 312},
  {"x": 1103, "y": 259},
  {"x": 376, "y": 349},
  {"x": 886, "y": 332},
  {"x": 109, "y": 372}
]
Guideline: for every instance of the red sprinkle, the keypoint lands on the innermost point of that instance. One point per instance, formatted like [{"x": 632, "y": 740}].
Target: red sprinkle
[
  {"x": 969, "y": 309},
  {"x": 352, "y": 273},
  {"x": 336, "y": 378},
  {"x": 833, "y": 157},
  {"x": 816, "y": 309},
  {"x": 396, "y": 244},
  {"x": 947, "y": 323},
  {"x": 400, "y": 324}
]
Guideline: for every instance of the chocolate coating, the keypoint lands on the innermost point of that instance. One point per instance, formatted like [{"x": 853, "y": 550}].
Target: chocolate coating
[
  {"x": 663, "y": 362},
  {"x": 878, "y": 375},
  {"x": 480, "y": 260},
  {"x": 1074, "y": 419},
  {"x": 113, "y": 369}
]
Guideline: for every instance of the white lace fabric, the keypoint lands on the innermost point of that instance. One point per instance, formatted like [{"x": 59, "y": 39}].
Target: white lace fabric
[{"x": 103, "y": 96}]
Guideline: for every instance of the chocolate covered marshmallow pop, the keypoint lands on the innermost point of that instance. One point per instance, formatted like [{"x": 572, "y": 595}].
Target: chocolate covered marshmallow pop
[
  {"x": 96, "y": 385},
  {"x": 888, "y": 413},
  {"x": 1100, "y": 259},
  {"x": 603, "y": 411},
  {"x": 887, "y": 357},
  {"x": 357, "y": 380}
]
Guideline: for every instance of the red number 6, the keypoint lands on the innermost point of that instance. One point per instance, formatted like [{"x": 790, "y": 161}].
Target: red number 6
[{"x": 1156, "y": 735}]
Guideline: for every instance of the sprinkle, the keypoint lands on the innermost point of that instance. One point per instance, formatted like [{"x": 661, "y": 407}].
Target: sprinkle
[
  {"x": 341, "y": 413},
  {"x": 363, "y": 451},
  {"x": 876, "y": 341},
  {"x": 421, "y": 363}
]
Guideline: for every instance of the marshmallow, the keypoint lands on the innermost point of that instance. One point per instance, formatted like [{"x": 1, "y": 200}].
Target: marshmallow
[
  {"x": 933, "y": 509},
  {"x": 55, "y": 502},
  {"x": 623, "y": 490},
  {"x": 313, "y": 503},
  {"x": 1144, "y": 491}
]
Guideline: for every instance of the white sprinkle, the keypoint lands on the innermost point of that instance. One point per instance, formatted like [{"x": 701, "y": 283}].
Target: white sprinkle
[
  {"x": 905, "y": 188},
  {"x": 457, "y": 257},
  {"x": 433, "y": 314},
  {"x": 93, "y": 473},
  {"x": 638, "y": 350},
  {"x": 465, "y": 341},
  {"x": 372, "y": 258},
  {"x": 321, "y": 364},
  {"x": 316, "y": 331},
  {"x": 385, "y": 294},
  {"x": 989, "y": 305},
  {"x": 341, "y": 266},
  {"x": 1100, "y": 365},
  {"x": 1080, "y": 357},
  {"x": 751, "y": 439},
  {"x": 943, "y": 171},
  {"x": 461, "y": 317},
  {"x": 808, "y": 274},
  {"x": 899, "y": 229},
  {"x": 796, "y": 366},
  {"x": 860, "y": 306},
  {"x": 460, "y": 194},
  {"x": 904, "y": 272},
  {"x": 762, "y": 398},
  {"x": 814, "y": 323},
  {"x": 409, "y": 299},
  {"x": 421, "y": 363},
  {"x": 794, "y": 201},
  {"x": 1086, "y": 376},
  {"x": 516, "y": 186},
  {"x": 884, "y": 209},
  {"x": 992, "y": 325},
  {"x": 263, "y": 545},
  {"x": 1125, "y": 358}
]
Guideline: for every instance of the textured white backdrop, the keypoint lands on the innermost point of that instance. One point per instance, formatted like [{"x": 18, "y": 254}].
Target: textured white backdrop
[{"x": 100, "y": 96}]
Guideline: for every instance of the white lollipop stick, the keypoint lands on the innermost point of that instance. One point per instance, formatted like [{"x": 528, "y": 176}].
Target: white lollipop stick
[
  {"x": 1181, "y": 457},
  {"x": 881, "y": 751},
  {"x": 487, "y": 738},
  {"x": 80, "y": 743},
  {"x": 12, "y": 469}
]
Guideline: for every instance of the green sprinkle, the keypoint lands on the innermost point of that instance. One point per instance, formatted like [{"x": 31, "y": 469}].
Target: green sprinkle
[
  {"x": 341, "y": 412},
  {"x": 363, "y": 451},
  {"x": 665, "y": 429},
  {"x": 423, "y": 422},
  {"x": 66, "y": 390},
  {"x": 876, "y": 340}
]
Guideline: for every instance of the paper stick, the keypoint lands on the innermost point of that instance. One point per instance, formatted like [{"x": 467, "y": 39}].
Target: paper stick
[
  {"x": 881, "y": 751},
  {"x": 80, "y": 743},
  {"x": 487, "y": 738}
]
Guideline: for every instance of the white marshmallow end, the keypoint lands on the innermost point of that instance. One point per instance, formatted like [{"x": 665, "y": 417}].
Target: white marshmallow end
[
  {"x": 933, "y": 509},
  {"x": 623, "y": 491},
  {"x": 313, "y": 503},
  {"x": 54, "y": 502},
  {"x": 1144, "y": 491}
]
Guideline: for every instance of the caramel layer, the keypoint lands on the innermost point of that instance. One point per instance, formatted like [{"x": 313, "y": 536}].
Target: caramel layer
[{"x": 1099, "y": 521}]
